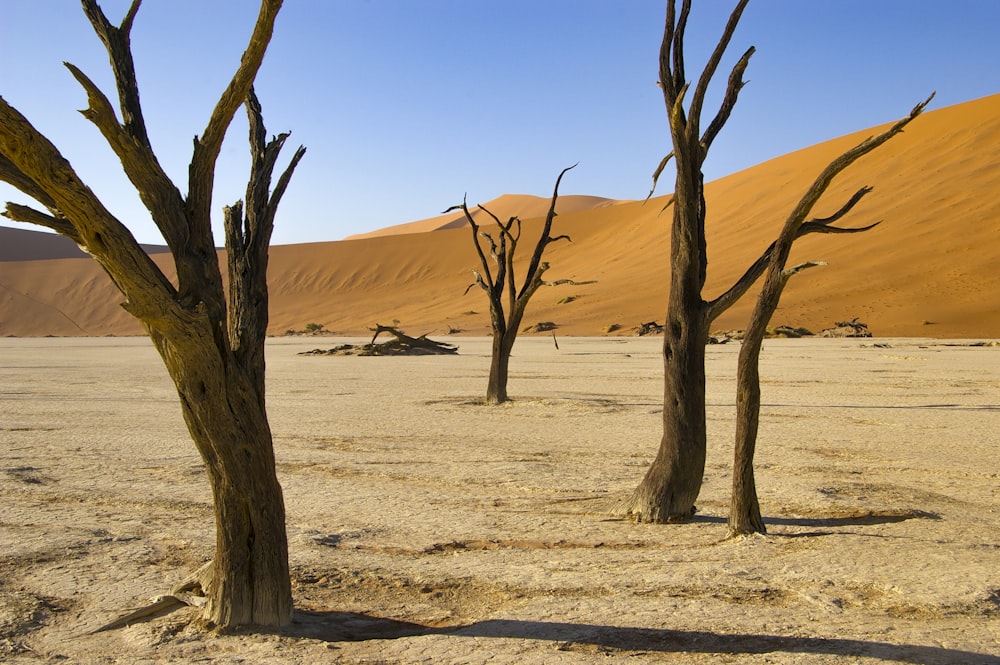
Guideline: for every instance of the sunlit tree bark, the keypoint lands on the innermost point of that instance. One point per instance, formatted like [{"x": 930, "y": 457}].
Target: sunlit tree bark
[{"x": 212, "y": 349}]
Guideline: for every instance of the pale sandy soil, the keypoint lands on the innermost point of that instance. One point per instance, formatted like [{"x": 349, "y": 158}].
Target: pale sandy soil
[{"x": 427, "y": 528}]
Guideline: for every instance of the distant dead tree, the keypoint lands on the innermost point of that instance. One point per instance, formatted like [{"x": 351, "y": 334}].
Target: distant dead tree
[
  {"x": 502, "y": 287},
  {"x": 744, "y": 509},
  {"x": 668, "y": 491},
  {"x": 213, "y": 351}
]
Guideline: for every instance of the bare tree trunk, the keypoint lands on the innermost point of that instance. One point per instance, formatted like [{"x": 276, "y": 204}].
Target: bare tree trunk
[
  {"x": 496, "y": 388},
  {"x": 214, "y": 354},
  {"x": 744, "y": 509},
  {"x": 670, "y": 487},
  {"x": 220, "y": 401},
  {"x": 500, "y": 285},
  {"x": 668, "y": 491}
]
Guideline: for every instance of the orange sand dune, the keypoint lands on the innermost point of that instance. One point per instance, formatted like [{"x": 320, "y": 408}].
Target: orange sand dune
[
  {"x": 932, "y": 268},
  {"x": 504, "y": 207}
]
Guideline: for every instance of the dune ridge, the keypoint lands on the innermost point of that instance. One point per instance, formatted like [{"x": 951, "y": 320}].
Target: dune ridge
[
  {"x": 930, "y": 269},
  {"x": 506, "y": 206}
]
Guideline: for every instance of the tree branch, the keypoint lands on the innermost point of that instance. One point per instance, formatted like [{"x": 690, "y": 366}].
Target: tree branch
[
  {"x": 794, "y": 270},
  {"x": 494, "y": 252},
  {"x": 202, "y": 171},
  {"x": 248, "y": 236},
  {"x": 726, "y": 300},
  {"x": 544, "y": 239},
  {"x": 846, "y": 208},
  {"x": 698, "y": 99},
  {"x": 148, "y": 293},
  {"x": 819, "y": 186},
  {"x": 262, "y": 201},
  {"x": 28, "y": 215},
  {"x": 678, "y": 45},
  {"x": 667, "y": 82},
  {"x": 464, "y": 207},
  {"x": 560, "y": 282},
  {"x": 503, "y": 256},
  {"x": 733, "y": 89},
  {"x": 17, "y": 178},
  {"x": 282, "y": 185},
  {"x": 656, "y": 174},
  {"x": 479, "y": 282},
  {"x": 795, "y": 227},
  {"x": 158, "y": 193},
  {"x": 117, "y": 41}
]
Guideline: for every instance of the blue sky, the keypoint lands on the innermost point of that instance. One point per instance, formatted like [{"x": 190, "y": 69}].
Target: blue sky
[{"x": 406, "y": 105}]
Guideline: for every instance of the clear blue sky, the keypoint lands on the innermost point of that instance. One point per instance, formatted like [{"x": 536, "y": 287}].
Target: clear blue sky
[{"x": 406, "y": 105}]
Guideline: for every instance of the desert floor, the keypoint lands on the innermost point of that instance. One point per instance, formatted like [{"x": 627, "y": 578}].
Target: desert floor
[{"x": 425, "y": 527}]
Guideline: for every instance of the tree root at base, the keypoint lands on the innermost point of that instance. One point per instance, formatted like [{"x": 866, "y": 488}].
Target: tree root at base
[
  {"x": 632, "y": 508},
  {"x": 188, "y": 593}
]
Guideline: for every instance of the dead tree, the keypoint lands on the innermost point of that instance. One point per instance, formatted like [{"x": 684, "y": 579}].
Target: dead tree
[
  {"x": 744, "y": 509},
  {"x": 668, "y": 491},
  {"x": 507, "y": 299},
  {"x": 213, "y": 350}
]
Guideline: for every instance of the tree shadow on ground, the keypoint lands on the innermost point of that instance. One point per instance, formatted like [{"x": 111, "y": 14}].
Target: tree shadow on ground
[
  {"x": 351, "y": 627},
  {"x": 842, "y": 518},
  {"x": 355, "y": 627}
]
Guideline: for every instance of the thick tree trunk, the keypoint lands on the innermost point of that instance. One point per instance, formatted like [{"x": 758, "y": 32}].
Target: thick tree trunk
[
  {"x": 218, "y": 369},
  {"x": 668, "y": 491},
  {"x": 249, "y": 582},
  {"x": 496, "y": 389}
]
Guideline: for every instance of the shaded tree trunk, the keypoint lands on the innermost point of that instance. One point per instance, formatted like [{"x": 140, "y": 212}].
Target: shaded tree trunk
[
  {"x": 668, "y": 491},
  {"x": 744, "y": 508},
  {"x": 673, "y": 481},
  {"x": 671, "y": 485}
]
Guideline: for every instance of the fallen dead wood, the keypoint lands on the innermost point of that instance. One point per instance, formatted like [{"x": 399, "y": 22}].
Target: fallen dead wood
[{"x": 401, "y": 345}]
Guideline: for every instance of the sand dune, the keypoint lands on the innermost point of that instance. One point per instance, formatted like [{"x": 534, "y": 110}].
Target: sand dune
[
  {"x": 930, "y": 269},
  {"x": 504, "y": 207},
  {"x": 25, "y": 245}
]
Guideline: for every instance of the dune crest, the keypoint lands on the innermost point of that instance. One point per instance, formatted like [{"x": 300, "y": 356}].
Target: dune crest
[
  {"x": 930, "y": 269},
  {"x": 506, "y": 206}
]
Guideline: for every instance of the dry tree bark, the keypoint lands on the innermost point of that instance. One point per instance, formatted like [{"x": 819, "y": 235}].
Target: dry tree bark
[
  {"x": 668, "y": 491},
  {"x": 213, "y": 350}
]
